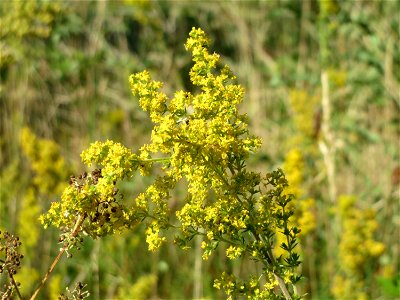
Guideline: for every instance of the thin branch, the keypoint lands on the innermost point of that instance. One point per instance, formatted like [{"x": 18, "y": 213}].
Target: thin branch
[
  {"x": 14, "y": 284},
  {"x": 283, "y": 287},
  {"x": 74, "y": 233},
  {"x": 281, "y": 282},
  {"x": 327, "y": 147}
]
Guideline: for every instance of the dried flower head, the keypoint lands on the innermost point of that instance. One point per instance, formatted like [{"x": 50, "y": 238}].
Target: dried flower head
[{"x": 10, "y": 262}]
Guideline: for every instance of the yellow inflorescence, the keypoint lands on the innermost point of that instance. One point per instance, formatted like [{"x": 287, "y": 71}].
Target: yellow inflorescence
[
  {"x": 95, "y": 195},
  {"x": 200, "y": 133},
  {"x": 24, "y": 20},
  {"x": 357, "y": 244},
  {"x": 50, "y": 173},
  {"x": 202, "y": 139},
  {"x": 358, "y": 248},
  {"x": 46, "y": 161},
  {"x": 304, "y": 108},
  {"x": 305, "y": 216}
]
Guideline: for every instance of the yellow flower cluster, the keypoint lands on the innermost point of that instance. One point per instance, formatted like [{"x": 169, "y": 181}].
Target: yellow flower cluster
[
  {"x": 358, "y": 248},
  {"x": 118, "y": 161},
  {"x": 250, "y": 288},
  {"x": 294, "y": 167},
  {"x": 338, "y": 77},
  {"x": 201, "y": 139},
  {"x": 46, "y": 161},
  {"x": 234, "y": 252},
  {"x": 201, "y": 134},
  {"x": 305, "y": 217},
  {"x": 29, "y": 18},
  {"x": 142, "y": 289},
  {"x": 357, "y": 244},
  {"x": 196, "y": 128},
  {"x": 50, "y": 173},
  {"x": 94, "y": 196},
  {"x": 207, "y": 141},
  {"x": 304, "y": 108},
  {"x": 153, "y": 237},
  {"x": 153, "y": 203},
  {"x": 21, "y": 19},
  {"x": 28, "y": 228},
  {"x": 344, "y": 287}
]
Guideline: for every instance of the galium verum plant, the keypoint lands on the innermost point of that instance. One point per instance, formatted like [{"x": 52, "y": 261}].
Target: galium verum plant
[{"x": 202, "y": 139}]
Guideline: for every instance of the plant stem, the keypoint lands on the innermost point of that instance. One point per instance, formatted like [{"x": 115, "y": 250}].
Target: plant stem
[
  {"x": 74, "y": 233},
  {"x": 197, "y": 273},
  {"x": 280, "y": 281},
  {"x": 14, "y": 284},
  {"x": 160, "y": 159},
  {"x": 283, "y": 287},
  {"x": 327, "y": 146}
]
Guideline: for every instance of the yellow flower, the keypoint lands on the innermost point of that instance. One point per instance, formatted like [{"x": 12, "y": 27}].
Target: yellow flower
[
  {"x": 233, "y": 252},
  {"x": 358, "y": 248},
  {"x": 153, "y": 238}
]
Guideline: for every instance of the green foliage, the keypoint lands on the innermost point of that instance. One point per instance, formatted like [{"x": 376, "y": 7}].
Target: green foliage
[{"x": 390, "y": 286}]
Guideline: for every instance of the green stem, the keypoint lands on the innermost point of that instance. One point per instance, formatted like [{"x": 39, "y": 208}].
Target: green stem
[
  {"x": 169, "y": 225},
  {"x": 159, "y": 159},
  {"x": 280, "y": 281}
]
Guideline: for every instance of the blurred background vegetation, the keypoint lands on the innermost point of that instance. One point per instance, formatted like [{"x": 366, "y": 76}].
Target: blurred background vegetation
[{"x": 322, "y": 90}]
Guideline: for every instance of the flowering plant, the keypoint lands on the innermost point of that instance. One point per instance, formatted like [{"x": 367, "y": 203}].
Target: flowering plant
[{"x": 200, "y": 138}]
